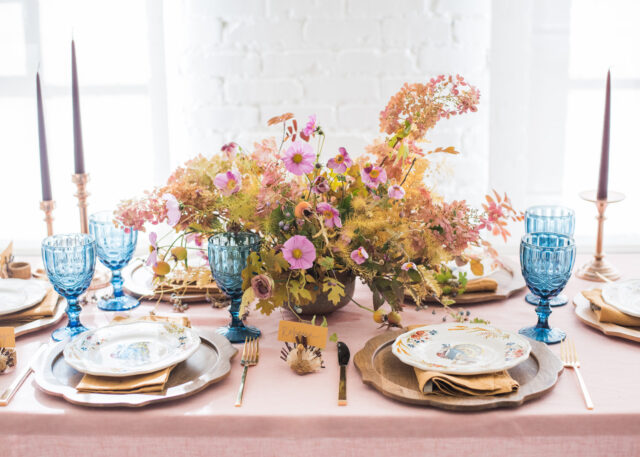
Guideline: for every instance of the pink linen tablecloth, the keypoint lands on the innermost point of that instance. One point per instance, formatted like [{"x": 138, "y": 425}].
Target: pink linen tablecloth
[{"x": 287, "y": 415}]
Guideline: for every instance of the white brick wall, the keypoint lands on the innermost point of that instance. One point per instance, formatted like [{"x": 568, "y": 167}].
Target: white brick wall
[{"x": 233, "y": 64}]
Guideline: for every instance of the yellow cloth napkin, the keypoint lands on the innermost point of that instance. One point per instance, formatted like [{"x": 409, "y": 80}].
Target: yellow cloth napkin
[
  {"x": 481, "y": 285},
  {"x": 145, "y": 383},
  {"x": 607, "y": 313},
  {"x": 432, "y": 382},
  {"x": 46, "y": 308}
]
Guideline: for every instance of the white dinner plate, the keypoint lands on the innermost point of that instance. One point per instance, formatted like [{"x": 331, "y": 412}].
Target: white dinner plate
[
  {"x": 461, "y": 348},
  {"x": 131, "y": 349},
  {"x": 20, "y": 294},
  {"x": 624, "y": 296}
]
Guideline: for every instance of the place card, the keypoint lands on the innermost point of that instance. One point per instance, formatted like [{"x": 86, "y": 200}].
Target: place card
[
  {"x": 8, "y": 356},
  {"x": 315, "y": 334}
]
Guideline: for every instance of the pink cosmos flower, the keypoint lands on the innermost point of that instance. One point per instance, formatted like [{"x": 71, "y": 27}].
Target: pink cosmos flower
[
  {"x": 152, "y": 260},
  {"x": 359, "y": 255},
  {"x": 373, "y": 176},
  {"x": 299, "y": 252},
  {"x": 228, "y": 183},
  {"x": 230, "y": 149},
  {"x": 340, "y": 162},
  {"x": 396, "y": 192},
  {"x": 299, "y": 158},
  {"x": 173, "y": 209},
  {"x": 409, "y": 266},
  {"x": 330, "y": 215},
  {"x": 310, "y": 127}
]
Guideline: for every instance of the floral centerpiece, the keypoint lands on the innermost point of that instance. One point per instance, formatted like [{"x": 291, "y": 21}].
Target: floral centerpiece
[{"x": 324, "y": 223}]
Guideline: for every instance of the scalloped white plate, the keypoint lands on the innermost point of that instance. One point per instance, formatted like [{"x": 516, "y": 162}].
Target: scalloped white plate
[
  {"x": 131, "y": 349},
  {"x": 20, "y": 294},
  {"x": 624, "y": 296},
  {"x": 462, "y": 349}
]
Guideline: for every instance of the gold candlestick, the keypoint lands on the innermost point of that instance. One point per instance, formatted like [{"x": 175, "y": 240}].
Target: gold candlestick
[
  {"x": 598, "y": 268},
  {"x": 48, "y": 206},
  {"x": 80, "y": 180}
]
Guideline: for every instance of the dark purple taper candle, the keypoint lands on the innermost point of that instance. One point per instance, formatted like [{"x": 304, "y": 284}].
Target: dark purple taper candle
[
  {"x": 78, "y": 150},
  {"x": 603, "y": 182},
  {"x": 45, "y": 179}
]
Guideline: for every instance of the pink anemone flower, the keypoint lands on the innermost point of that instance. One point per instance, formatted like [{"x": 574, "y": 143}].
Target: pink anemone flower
[
  {"x": 299, "y": 252},
  {"x": 228, "y": 183},
  {"x": 359, "y": 255},
  {"x": 373, "y": 176},
  {"x": 330, "y": 215},
  {"x": 340, "y": 162}
]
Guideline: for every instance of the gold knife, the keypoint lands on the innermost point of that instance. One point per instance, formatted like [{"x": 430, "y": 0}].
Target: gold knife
[
  {"x": 343, "y": 360},
  {"x": 8, "y": 394}
]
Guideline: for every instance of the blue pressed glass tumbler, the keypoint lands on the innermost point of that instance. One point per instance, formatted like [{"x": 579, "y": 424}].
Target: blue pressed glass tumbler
[
  {"x": 69, "y": 261},
  {"x": 228, "y": 254},
  {"x": 115, "y": 247},
  {"x": 549, "y": 219},
  {"x": 547, "y": 261}
]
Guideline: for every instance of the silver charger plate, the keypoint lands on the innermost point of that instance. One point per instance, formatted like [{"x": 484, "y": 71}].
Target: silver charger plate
[{"x": 208, "y": 365}]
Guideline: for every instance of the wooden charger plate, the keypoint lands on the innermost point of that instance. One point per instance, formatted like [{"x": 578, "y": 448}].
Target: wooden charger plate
[
  {"x": 383, "y": 371},
  {"x": 582, "y": 308},
  {"x": 209, "y": 364},
  {"x": 509, "y": 279},
  {"x": 23, "y": 328}
]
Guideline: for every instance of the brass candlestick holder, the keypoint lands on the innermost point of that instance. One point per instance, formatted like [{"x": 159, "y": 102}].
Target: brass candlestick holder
[
  {"x": 81, "y": 180},
  {"x": 101, "y": 277},
  {"x": 598, "y": 268},
  {"x": 48, "y": 206}
]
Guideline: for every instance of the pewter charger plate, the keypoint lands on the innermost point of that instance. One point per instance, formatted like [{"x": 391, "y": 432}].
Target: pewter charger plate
[{"x": 209, "y": 364}]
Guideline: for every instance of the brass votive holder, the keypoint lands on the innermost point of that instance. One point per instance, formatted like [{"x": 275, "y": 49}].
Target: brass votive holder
[
  {"x": 48, "y": 206},
  {"x": 81, "y": 180},
  {"x": 598, "y": 269}
]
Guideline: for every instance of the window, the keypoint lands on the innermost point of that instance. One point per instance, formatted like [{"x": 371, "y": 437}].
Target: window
[{"x": 118, "y": 73}]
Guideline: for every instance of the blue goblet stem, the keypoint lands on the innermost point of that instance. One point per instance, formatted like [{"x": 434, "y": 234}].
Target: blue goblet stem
[
  {"x": 116, "y": 282},
  {"x": 234, "y": 310},
  {"x": 73, "y": 313},
  {"x": 543, "y": 310}
]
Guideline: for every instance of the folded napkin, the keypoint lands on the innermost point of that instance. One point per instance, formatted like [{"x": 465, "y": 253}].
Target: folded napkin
[
  {"x": 481, "y": 285},
  {"x": 46, "y": 308},
  {"x": 431, "y": 382},
  {"x": 607, "y": 313},
  {"x": 144, "y": 383}
]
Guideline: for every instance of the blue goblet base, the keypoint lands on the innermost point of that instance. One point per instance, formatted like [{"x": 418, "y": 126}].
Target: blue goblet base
[
  {"x": 546, "y": 335},
  {"x": 67, "y": 333},
  {"x": 238, "y": 334},
  {"x": 559, "y": 300},
  {"x": 123, "y": 303}
]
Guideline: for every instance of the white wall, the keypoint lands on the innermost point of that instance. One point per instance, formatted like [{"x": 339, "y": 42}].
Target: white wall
[{"x": 232, "y": 65}]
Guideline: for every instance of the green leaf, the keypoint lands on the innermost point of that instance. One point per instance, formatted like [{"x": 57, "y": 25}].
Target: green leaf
[
  {"x": 326, "y": 262},
  {"x": 324, "y": 322},
  {"x": 333, "y": 338}
]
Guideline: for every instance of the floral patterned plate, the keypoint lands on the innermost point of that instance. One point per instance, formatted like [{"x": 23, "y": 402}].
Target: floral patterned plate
[
  {"x": 131, "y": 349},
  {"x": 624, "y": 296},
  {"x": 462, "y": 349}
]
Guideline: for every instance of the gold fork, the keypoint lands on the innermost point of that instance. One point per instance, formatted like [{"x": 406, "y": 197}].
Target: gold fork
[
  {"x": 250, "y": 356},
  {"x": 569, "y": 357}
]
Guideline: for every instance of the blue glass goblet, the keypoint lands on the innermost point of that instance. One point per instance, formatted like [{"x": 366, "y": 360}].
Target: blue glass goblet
[
  {"x": 69, "y": 261},
  {"x": 549, "y": 219},
  {"x": 228, "y": 253},
  {"x": 115, "y": 246},
  {"x": 546, "y": 260}
]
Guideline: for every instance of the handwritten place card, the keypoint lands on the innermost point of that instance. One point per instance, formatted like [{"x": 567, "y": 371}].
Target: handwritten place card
[
  {"x": 316, "y": 335},
  {"x": 8, "y": 357}
]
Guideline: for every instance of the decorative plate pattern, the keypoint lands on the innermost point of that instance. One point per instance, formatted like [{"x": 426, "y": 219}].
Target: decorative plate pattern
[
  {"x": 624, "y": 296},
  {"x": 131, "y": 349},
  {"x": 20, "y": 294},
  {"x": 464, "y": 349}
]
